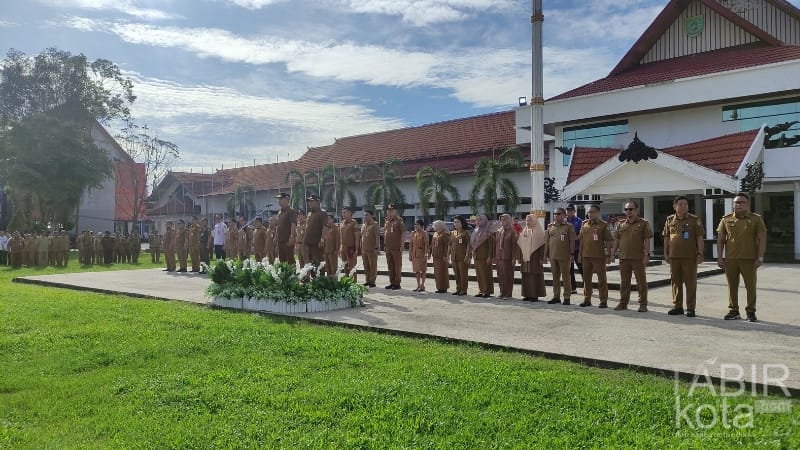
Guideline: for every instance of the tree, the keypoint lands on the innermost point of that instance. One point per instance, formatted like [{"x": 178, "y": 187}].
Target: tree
[
  {"x": 489, "y": 179},
  {"x": 299, "y": 188},
  {"x": 50, "y": 163},
  {"x": 48, "y": 106},
  {"x": 433, "y": 186},
  {"x": 385, "y": 190},
  {"x": 342, "y": 182},
  {"x": 153, "y": 156},
  {"x": 242, "y": 202}
]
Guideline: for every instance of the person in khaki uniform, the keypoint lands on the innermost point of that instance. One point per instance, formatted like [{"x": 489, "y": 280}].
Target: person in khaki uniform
[
  {"x": 16, "y": 247},
  {"x": 742, "y": 238},
  {"x": 42, "y": 250},
  {"x": 271, "y": 244},
  {"x": 350, "y": 238},
  {"x": 632, "y": 238},
  {"x": 64, "y": 248},
  {"x": 244, "y": 239},
  {"x": 136, "y": 247},
  {"x": 482, "y": 244},
  {"x": 394, "y": 231},
  {"x": 155, "y": 247},
  {"x": 683, "y": 251},
  {"x": 107, "y": 245},
  {"x": 504, "y": 255},
  {"x": 170, "y": 238},
  {"x": 230, "y": 240},
  {"x": 370, "y": 245},
  {"x": 418, "y": 254},
  {"x": 440, "y": 248},
  {"x": 260, "y": 240},
  {"x": 531, "y": 245},
  {"x": 182, "y": 245},
  {"x": 312, "y": 238},
  {"x": 52, "y": 251},
  {"x": 193, "y": 243},
  {"x": 286, "y": 230},
  {"x": 595, "y": 239},
  {"x": 460, "y": 253},
  {"x": 331, "y": 242},
  {"x": 559, "y": 249}
]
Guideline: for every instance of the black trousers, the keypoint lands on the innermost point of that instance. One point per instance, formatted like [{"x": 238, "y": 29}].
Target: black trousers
[{"x": 219, "y": 252}]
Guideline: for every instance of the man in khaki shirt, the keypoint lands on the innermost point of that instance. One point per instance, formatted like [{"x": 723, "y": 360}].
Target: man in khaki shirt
[
  {"x": 632, "y": 238},
  {"x": 370, "y": 243},
  {"x": 312, "y": 237},
  {"x": 595, "y": 237},
  {"x": 683, "y": 251},
  {"x": 394, "y": 232},
  {"x": 259, "y": 240},
  {"x": 350, "y": 238},
  {"x": 742, "y": 238},
  {"x": 286, "y": 230},
  {"x": 559, "y": 247}
]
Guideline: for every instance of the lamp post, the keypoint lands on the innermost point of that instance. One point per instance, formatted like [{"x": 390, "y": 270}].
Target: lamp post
[{"x": 537, "y": 115}]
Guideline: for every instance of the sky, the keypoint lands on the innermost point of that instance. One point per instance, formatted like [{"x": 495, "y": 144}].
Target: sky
[{"x": 234, "y": 82}]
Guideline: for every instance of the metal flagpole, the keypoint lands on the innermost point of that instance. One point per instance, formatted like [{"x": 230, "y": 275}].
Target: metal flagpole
[{"x": 537, "y": 115}]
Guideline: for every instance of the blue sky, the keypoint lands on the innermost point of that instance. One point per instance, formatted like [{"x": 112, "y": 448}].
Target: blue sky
[{"x": 232, "y": 81}]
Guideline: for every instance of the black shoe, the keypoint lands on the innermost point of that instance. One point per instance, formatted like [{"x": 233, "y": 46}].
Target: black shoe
[
  {"x": 689, "y": 313},
  {"x": 366, "y": 284},
  {"x": 585, "y": 304},
  {"x": 676, "y": 312},
  {"x": 603, "y": 305},
  {"x": 166, "y": 270},
  {"x": 182, "y": 270},
  {"x": 456, "y": 293},
  {"x": 371, "y": 285},
  {"x": 574, "y": 291},
  {"x": 438, "y": 291},
  {"x": 554, "y": 301},
  {"x": 395, "y": 287},
  {"x": 462, "y": 293},
  {"x": 732, "y": 315},
  {"x": 479, "y": 295},
  {"x": 565, "y": 302},
  {"x": 391, "y": 286},
  {"x": 751, "y": 317},
  {"x": 534, "y": 299}
]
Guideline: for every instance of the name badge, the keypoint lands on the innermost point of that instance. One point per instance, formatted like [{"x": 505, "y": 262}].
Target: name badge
[
  {"x": 459, "y": 241},
  {"x": 563, "y": 237},
  {"x": 595, "y": 237},
  {"x": 686, "y": 235}
]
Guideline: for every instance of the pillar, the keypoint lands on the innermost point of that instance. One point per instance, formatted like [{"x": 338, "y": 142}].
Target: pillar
[
  {"x": 649, "y": 208},
  {"x": 537, "y": 114},
  {"x": 709, "y": 218},
  {"x": 797, "y": 220}
]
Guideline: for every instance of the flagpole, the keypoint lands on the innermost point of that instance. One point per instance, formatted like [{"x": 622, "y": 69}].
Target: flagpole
[{"x": 537, "y": 115}]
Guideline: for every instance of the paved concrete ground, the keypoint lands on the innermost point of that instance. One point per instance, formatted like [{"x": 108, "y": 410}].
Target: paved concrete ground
[{"x": 652, "y": 340}]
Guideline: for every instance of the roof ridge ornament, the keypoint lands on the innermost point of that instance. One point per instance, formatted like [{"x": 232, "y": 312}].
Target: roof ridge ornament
[{"x": 638, "y": 151}]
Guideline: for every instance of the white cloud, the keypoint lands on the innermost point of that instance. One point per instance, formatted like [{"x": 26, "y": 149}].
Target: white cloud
[
  {"x": 482, "y": 77},
  {"x": 222, "y": 115},
  {"x": 125, "y": 6},
  {"x": 254, "y": 4},
  {"x": 7, "y": 24},
  {"x": 425, "y": 12}
]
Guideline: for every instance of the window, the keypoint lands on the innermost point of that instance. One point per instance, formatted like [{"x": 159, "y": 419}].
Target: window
[
  {"x": 601, "y": 135},
  {"x": 752, "y": 115}
]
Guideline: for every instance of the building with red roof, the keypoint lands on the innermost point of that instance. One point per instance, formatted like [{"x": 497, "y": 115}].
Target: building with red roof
[{"x": 712, "y": 90}]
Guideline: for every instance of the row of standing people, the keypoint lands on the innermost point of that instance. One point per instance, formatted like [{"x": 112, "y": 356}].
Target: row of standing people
[
  {"x": 34, "y": 250},
  {"x": 108, "y": 248}
]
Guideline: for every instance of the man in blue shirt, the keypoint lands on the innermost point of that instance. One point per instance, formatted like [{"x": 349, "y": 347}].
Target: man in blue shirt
[{"x": 576, "y": 222}]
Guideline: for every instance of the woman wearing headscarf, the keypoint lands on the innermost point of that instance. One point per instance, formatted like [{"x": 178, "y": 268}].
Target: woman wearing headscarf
[
  {"x": 482, "y": 244},
  {"x": 418, "y": 254},
  {"x": 460, "y": 253},
  {"x": 530, "y": 244}
]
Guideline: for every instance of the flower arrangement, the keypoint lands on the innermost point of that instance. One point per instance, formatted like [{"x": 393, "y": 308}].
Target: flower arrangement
[{"x": 280, "y": 282}]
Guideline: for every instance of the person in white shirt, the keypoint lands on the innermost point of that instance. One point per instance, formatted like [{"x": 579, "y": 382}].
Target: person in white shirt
[
  {"x": 218, "y": 234},
  {"x": 3, "y": 248}
]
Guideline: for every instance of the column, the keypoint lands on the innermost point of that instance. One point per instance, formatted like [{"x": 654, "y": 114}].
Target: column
[
  {"x": 537, "y": 166},
  {"x": 797, "y": 220},
  {"x": 709, "y": 218},
  {"x": 649, "y": 208},
  {"x": 728, "y": 205}
]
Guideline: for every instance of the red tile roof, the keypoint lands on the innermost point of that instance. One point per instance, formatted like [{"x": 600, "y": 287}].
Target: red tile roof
[
  {"x": 262, "y": 177},
  {"x": 176, "y": 205},
  {"x": 740, "y": 57},
  {"x": 723, "y": 154},
  {"x": 584, "y": 159},
  {"x": 442, "y": 140}
]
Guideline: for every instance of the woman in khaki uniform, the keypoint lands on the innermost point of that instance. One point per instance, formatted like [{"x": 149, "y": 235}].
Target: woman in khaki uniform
[
  {"x": 531, "y": 249},
  {"x": 418, "y": 254},
  {"x": 331, "y": 241},
  {"x": 482, "y": 246},
  {"x": 440, "y": 246},
  {"x": 459, "y": 254}
]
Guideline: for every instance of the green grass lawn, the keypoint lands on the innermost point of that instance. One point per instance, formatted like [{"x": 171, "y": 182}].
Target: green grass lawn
[{"x": 83, "y": 370}]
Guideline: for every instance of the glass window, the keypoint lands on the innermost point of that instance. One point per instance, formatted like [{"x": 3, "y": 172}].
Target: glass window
[
  {"x": 600, "y": 135},
  {"x": 752, "y": 116}
]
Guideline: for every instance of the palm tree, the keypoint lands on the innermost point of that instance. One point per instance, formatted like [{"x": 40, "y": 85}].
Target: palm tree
[
  {"x": 489, "y": 179},
  {"x": 436, "y": 184},
  {"x": 242, "y": 202},
  {"x": 341, "y": 189},
  {"x": 298, "y": 187},
  {"x": 385, "y": 190}
]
